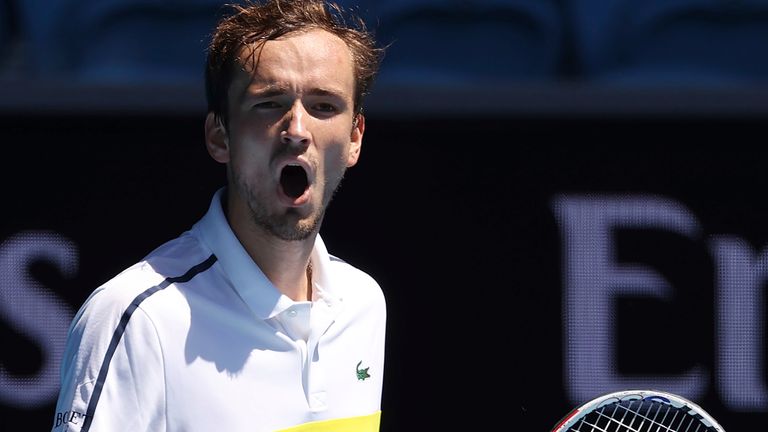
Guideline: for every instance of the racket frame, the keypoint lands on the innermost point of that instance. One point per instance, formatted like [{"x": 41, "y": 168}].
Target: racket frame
[{"x": 671, "y": 399}]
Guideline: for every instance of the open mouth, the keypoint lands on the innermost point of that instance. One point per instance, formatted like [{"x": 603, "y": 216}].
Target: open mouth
[{"x": 293, "y": 180}]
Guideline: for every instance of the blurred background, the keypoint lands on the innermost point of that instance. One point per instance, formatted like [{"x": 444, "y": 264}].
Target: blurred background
[{"x": 560, "y": 198}]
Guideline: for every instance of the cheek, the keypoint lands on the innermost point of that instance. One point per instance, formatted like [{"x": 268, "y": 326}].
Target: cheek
[
  {"x": 336, "y": 157},
  {"x": 248, "y": 157},
  {"x": 250, "y": 130}
]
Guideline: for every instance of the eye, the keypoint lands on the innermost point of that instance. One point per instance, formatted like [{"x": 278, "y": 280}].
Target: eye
[
  {"x": 266, "y": 105},
  {"x": 324, "y": 107}
]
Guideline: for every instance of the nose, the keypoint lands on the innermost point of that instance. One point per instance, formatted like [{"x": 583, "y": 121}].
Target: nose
[{"x": 294, "y": 131}]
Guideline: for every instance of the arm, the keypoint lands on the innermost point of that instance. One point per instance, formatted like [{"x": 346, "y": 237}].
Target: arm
[{"x": 112, "y": 371}]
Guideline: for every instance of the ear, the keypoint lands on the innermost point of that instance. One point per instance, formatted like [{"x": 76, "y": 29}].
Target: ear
[
  {"x": 216, "y": 139},
  {"x": 356, "y": 140}
]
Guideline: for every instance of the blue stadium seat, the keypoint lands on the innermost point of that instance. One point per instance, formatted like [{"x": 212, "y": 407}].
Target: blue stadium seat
[
  {"x": 5, "y": 34},
  {"x": 35, "y": 23},
  {"x": 121, "y": 41},
  {"x": 433, "y": 41},
  {"x": 671, "y": 41},
  {"x": 475, "y": 41}
]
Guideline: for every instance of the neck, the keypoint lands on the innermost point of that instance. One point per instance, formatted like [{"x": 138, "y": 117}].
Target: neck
[{"x": 285, "y": 263}]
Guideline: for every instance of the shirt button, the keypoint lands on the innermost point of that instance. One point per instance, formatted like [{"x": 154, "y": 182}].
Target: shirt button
[{"x": 292, "y": 313}]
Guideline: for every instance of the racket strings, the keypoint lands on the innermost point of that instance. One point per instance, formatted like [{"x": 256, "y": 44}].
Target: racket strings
[{"x": 640, "y": 416}]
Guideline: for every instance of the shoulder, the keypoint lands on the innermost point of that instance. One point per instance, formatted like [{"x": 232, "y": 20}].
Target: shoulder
[
  {"x": 342, "y": 268},
  {"x": 354, "y": 281},
  {"x": 172, "y": 261}
]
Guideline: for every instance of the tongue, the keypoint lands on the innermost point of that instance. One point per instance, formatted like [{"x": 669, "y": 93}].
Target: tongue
[{"x": 293, "y": 179}]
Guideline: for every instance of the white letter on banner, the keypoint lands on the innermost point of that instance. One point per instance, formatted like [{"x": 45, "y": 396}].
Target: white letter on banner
[
  {"x": 741, "y": 278},
  {"x": 35, "y": 312},
  {"x": 592, "y": 280}
]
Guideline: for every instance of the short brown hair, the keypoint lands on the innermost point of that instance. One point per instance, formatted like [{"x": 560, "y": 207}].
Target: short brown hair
[{"x": 253, "y": 23}]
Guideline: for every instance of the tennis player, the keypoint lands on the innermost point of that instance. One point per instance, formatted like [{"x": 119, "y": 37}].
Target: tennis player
[{"x": 246, "y": 322}]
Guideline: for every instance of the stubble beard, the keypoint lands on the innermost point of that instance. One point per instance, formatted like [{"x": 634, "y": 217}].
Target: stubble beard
[{"x": 288, "y": 226}]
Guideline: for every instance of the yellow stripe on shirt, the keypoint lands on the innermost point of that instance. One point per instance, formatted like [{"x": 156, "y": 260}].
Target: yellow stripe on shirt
[{"x": 369, "y": 423}]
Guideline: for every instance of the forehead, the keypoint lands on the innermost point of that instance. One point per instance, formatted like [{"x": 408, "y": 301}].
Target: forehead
[{"x": 300, "y": 61}]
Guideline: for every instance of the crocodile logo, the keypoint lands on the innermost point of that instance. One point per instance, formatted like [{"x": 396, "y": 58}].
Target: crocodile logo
[{"x": 362, "y": 374}]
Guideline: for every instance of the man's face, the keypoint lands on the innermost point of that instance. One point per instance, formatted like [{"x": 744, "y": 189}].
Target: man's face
[{"x": 290, "y": 135}]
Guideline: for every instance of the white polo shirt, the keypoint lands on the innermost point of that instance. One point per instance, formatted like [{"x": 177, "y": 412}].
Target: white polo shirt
[{"x": 196, "y": 338}]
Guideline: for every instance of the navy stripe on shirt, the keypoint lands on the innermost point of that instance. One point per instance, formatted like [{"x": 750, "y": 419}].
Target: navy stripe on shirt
[
  {"x": 337, "y": 259},
  {"x": 199, "y": 268}
]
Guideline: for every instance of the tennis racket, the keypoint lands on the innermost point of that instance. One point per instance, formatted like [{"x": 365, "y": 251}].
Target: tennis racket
[{"x": 638, "y": 411}]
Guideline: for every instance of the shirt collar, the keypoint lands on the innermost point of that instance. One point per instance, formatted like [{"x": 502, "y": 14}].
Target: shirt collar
[{"x": 250, "y": 283}]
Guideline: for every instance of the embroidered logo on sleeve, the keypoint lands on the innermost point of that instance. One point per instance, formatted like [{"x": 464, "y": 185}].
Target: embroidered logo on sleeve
[{"x": 362, "y": 374}]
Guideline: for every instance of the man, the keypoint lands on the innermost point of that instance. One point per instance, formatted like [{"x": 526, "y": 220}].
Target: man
[{"x": 245, "y": 322}]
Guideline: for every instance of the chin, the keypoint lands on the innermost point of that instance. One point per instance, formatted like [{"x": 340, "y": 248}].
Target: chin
[
  {"x": 297, "y": 233},
  {"x": 291, "y": 228}
]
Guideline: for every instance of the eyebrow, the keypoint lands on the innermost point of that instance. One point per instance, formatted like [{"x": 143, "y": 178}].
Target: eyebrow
[
  {"x": 266, "y": 91},
  {"x": 272, "y": 90},
  {"x": 325, "y": 92}
]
